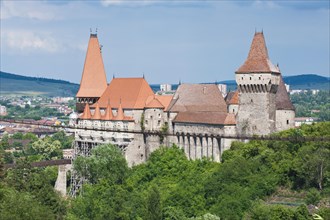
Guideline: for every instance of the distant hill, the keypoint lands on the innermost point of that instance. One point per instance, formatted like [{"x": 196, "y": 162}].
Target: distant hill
[
  {"x": 13, "y": 84},
  {"x": 304, "y": 81},
  {"x": 308, "y": 81}
]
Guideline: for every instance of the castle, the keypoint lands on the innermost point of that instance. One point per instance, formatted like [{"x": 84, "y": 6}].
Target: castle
[{"x": 127, "y": 113}]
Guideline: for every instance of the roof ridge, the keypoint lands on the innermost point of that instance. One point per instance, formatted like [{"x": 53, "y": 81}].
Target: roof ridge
[{"x": 140, "y": 89}]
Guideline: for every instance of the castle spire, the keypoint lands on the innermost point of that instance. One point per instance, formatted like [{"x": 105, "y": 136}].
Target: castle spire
[
  {"x": 87, "y": 112},
  {"x": 93, "y": 81},
  {"x": 258, "y": 60}
]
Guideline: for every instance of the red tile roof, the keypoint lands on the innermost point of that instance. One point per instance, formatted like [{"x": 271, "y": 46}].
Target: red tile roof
[
  {"x": 97, "y": 113},
  {"x": 154, "y": 103},
  {"x": 234, "y": 99},
  {"x": 93, "y": 81},
  {"x": 108, "y": 114},
  {"x": 165, "y": 100},
  {"x": 86, "y": 113},
  {"x": 198, "y": 97},
  {"x": 258, "y": 60},
  {"x": 215, "y": 118},
  {"x": 133, "y": 93}
]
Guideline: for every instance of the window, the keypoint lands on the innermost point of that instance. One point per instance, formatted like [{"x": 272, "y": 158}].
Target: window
[
  {"x": 158, "y": 123},
  {"x": 287, "y": 122},
  {"x": 250, "y": 78}
]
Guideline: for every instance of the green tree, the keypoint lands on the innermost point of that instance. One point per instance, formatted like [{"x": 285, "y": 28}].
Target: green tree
[
  {"x": 106, "y": 162},
  {"x": 47, "y": 148},
  {"x": 154, "y": 206}
]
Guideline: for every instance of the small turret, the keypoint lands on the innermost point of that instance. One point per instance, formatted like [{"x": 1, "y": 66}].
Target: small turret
[
  {"x": 87, "y": 113},
  {"x": 97, "y": 113}
]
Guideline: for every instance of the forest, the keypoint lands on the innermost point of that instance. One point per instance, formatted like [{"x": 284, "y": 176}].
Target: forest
[{"x": 255, "y": 180}]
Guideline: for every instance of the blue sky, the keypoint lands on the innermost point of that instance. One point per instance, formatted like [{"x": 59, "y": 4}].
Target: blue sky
[{"x": 167, "y": 41}]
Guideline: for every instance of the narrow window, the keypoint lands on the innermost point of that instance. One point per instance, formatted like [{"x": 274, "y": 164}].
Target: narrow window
[
  {"x": 287, "y": 122},
  {"x": 250, "y": 78}
]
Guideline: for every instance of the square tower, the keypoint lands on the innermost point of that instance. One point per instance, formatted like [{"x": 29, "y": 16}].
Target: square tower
[{"x": 257, "y": 81}]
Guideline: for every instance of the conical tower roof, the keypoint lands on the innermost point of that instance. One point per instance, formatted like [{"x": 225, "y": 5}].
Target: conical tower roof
[
  {"x": 87, "y": 113},
  {"x": 120, "y": 113},
  {"x": 283, "y": 101},
  {"x": 258, "y": 60},
  {"x": 108, "y": 113},
  {"x": 97, "y": 113},
  {"x": 93, "y": 81}
]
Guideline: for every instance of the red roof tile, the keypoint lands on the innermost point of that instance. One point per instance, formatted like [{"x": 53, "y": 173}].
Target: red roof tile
[
  {"x": 154, "y": 103},
  {"x": 133, "y": 93},
  {"x": 258, "y": 60},
  {"x": 214, "y": 118},
  {"x": 97, "y": 113},
  {"x": 108, "y": 114},
  {"x": 93, "y": 81},
  {"x": 198, "y": 97},
  {"x": 234, "y": 99},
  {"x": 87, "y": 113},
  {"x": 165, "y": 100}
]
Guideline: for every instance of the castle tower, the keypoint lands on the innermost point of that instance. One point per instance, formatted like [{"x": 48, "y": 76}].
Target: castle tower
[
  {"x": 257, "y": 81},
  {"x": 93, "y": 81}
]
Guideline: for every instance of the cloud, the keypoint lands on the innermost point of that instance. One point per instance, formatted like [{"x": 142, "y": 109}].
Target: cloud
[
  {"x": 38, "y": 10},
  {"x": 29, "y": 41}
]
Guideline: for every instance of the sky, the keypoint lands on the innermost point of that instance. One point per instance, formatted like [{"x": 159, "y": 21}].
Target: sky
[{"x": 166, "y": 41}]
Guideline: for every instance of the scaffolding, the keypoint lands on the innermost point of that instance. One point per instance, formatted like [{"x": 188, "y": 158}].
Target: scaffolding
[{"x": 80, "y": 148}]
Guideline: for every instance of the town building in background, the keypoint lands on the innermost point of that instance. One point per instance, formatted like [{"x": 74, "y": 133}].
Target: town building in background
[{"x": 3, "y": 110}]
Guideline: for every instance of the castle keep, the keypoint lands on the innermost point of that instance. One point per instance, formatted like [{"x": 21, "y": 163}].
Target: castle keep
[{"x": 128, "y": 114}]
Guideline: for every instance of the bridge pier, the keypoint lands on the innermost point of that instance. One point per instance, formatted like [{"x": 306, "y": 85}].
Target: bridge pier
[{"x": 60, "y": 184}]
